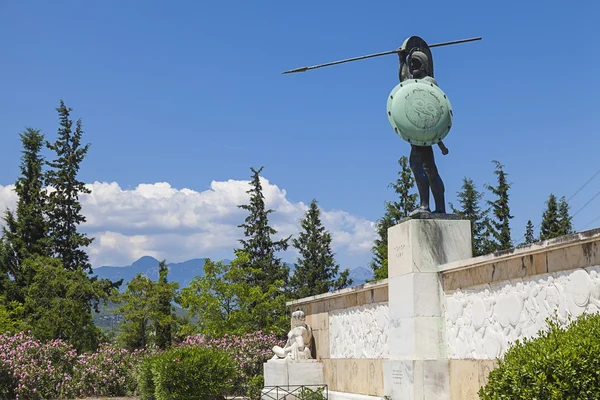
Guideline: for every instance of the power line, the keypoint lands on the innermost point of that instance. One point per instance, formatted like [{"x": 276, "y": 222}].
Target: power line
[
  {"x": 575, "y": 194},
  {"x": 591, "y": 222},
  {"x": 586, "y": 204},
  {"x": 584, "y": 185}
]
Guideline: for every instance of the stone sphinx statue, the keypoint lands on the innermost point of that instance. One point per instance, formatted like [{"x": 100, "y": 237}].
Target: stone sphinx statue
[{"x": 299, "y": 340}]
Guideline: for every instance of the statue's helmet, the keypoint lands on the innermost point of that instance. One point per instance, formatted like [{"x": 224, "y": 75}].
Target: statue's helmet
[
  {"x": 417, "y": 60},
  {"x": 299, "y": 315}
]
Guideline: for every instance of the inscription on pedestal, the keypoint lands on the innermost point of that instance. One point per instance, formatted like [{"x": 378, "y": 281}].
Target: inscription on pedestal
[
  {"x": 397, "y": 376},
  {"x": 399, "y": 250}
]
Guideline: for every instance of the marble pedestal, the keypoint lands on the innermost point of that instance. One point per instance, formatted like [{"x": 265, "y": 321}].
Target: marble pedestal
[
  {"x": 289, "y": 375},
  {"x": 418, "y": 367}
]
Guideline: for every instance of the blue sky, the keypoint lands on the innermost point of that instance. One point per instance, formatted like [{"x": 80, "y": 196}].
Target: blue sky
[{"x": 190, "y": 92}]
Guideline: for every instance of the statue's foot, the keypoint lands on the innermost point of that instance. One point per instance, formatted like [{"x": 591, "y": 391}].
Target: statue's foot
[
  {"x": 439, "y": 212},
  {"x": 420, "y": 210}
]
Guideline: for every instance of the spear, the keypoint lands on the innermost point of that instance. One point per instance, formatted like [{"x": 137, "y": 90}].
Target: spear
[{"x": 303, "y": 69}]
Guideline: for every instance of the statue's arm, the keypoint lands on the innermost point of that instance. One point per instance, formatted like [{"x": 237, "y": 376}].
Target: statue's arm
[
  {"x": 300, "y": 342},
  {"x": 403, "y": 71},
  {"x": 443, "y": 147}
]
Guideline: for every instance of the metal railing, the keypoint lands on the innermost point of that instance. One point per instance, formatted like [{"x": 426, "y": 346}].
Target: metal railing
[{"x": 301, "y": 392}]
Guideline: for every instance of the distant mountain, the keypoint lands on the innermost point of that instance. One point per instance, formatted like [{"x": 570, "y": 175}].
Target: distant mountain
[
  {"x": 184, "y": 272},
  {"x": 360, "y": 275}
]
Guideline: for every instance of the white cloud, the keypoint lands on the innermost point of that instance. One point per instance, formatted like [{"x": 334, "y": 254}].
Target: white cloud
[{"x": 179, "y": 224}]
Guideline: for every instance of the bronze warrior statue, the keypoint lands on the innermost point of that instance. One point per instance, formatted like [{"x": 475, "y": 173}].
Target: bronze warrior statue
[{"x": 417, "y": 64}]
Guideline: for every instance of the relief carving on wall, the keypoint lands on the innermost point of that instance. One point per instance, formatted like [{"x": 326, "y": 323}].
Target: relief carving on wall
[
  {"x": 482, "y": 322},
  {"x": 359, "y": 332}
]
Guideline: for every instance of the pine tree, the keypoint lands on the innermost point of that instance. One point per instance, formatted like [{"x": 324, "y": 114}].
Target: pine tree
[
  {"x": 266, "y": 268},
  {"x": 64, "y": 209},
  {"x": 25, "y": 234},
  {"x": 395, "y": 211},
  {"x": 501, "y": 210},
  {"x": 529, "y": 235},
  {"x": 564, "y": 219},
  {"x": 315, "y": 270},
  {"x": 550, "y": 226},
  {"x": 469, "y": 198}
]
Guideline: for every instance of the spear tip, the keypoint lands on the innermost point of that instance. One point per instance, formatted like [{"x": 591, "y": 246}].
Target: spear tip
[{"x": 291, "y": 71}]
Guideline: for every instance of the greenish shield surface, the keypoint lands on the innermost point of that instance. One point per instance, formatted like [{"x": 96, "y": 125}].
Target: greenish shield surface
[{"x": 419, "y": 112}]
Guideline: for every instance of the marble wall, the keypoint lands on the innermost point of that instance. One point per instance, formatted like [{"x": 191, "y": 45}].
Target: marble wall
[
  {"x": 483, "y": 321},
  {"x": 359, "y": 332}
]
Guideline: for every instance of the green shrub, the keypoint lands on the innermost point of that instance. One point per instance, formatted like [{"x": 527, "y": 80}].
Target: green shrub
[
  {"x": 254, "y": 387},
  {"x": 187, "y": 373},
  {"x": 145, "y": 381},
  {"x": 561, "y": 363}
]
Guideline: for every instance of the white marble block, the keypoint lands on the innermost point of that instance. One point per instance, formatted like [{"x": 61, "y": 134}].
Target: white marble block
[
  {"x": 415, "y": 295},
  {"x": 420, "y": 338},
  {"x": 417, "y": 379},
  {"x": 287, "y": 372},
  {"x": 421, "y": 245}
]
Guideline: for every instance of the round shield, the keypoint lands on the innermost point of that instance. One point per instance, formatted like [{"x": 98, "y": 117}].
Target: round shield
[{"x": 419, "y": 112}]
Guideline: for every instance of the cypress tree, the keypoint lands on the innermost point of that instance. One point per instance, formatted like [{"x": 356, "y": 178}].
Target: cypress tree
[
  {"x": 395, "y": 211},
  {"x": 469, "y": 198},
  {"x": 164, "y": 316},
  {"x": 64, "y": 209},
  {"x": 529, "y": 234},
  {"x": 265, "y": 268},
  {"x": 550, "y": 226},
  {"x": 315, "y": 270},
  {"x": 500, "y": 225}
]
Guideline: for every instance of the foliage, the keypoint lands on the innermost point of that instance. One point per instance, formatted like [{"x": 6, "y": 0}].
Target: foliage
[
  {"x": 249, "y": 352},
  {"x": 529, "y": 234},
  {"x": 64, "y": 208},
  {"x": 550, "y": 226},
  {"x": 264, "y": 268},
  {"x": 395, "y": 211},
  {"x": 148, "y": 315},
  {"x": 215, "y": 298},
  {"x": 11, "y": 316},
  {"x": 500, "y": 208},
  {"x": 562, "y": 363},
  {"x": 25, "y": 233},
  {"x": 469, "y": 198},
  {"x": 311, "y": 394},
  {"x": 188, "y": 373},
  {"x": 58, "y": 303},
  {"x": 315, "y": 270},
  {"x": 225, "y": 302}
]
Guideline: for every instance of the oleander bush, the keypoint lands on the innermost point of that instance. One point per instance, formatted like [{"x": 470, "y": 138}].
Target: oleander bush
[
  {"x": 110, "y": 371},
  {"x": 187, "y": 373},
  {"x": 31, "y": 369},
  {"x": 561, "y": 363}
]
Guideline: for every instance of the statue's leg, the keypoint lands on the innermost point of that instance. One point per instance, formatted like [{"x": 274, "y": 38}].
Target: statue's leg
[
  {"x": 416, "y": 165},
  {"x": 435, "y": 181}
]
